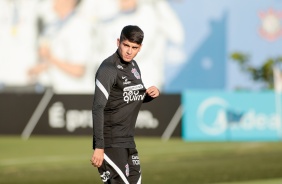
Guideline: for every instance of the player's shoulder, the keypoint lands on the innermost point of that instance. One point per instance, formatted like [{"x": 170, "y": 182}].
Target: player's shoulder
[
  {"x": 109, "y": 62},
  {"x": 108, "y": 65}
]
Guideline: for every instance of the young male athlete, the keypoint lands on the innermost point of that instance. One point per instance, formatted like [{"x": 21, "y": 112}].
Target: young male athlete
[{"x": 119, "y": 93}]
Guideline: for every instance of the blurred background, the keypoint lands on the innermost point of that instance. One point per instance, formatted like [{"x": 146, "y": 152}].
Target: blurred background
[{"x": 217, "y": 64}]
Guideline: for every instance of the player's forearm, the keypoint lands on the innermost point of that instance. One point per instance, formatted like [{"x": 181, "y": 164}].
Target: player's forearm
[
  {"x": 98, "y": 125},
  {"x": 76, "y": 70},
  {"x": 98, "y": 142}
]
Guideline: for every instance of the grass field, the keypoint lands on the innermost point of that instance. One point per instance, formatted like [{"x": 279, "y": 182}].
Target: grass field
[{"x": 65, "y": 160}]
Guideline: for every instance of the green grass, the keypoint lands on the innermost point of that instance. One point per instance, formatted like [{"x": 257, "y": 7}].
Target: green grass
[
  {"x": 61, "y": 160},
  {"x": 265, "y": 181}
]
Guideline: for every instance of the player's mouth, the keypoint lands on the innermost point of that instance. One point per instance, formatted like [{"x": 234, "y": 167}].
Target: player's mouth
[{"x": 127, "y": 58}]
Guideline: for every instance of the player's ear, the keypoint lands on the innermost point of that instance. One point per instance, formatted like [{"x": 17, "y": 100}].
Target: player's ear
[{"x": 118, "y": 42}]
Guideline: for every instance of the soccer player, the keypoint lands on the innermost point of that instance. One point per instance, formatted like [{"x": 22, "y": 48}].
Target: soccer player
[{"x": 119, "y": 94}]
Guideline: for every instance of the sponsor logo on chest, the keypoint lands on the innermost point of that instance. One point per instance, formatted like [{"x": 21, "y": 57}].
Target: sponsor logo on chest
[{"x": 131, "y": 93}]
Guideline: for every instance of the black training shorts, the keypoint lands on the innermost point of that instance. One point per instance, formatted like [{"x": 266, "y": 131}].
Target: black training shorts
[{"x": 120, "y": 166}]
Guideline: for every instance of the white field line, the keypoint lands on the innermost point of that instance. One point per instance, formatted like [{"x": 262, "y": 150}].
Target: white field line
[{"x": 37, "y": 160}]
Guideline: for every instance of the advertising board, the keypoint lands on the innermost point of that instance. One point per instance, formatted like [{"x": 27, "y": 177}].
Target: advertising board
[
  {"x": 53, "y": 114},
  {"x": 230, "y": 116}
]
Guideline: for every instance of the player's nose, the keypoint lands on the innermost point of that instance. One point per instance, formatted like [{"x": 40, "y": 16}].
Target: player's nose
[{"x": 129, "y": 51}]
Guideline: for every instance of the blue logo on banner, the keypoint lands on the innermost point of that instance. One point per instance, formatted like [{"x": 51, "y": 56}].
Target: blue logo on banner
[{"x": 233, "y": 116}]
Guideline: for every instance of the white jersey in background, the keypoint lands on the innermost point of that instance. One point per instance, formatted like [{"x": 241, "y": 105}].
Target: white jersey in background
[
  {"x": 69, "y": 40},
  {"x": 18, "y": 38}
]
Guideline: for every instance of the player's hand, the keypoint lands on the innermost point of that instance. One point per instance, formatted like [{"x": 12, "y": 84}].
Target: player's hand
[
  {"x": 97, "y": 157},
  {"x": 153, "y": 91},
  {"x": 36, "y": 70}
]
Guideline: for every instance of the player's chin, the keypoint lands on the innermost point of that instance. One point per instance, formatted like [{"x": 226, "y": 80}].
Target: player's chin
[{"x": 127, "y": 59}]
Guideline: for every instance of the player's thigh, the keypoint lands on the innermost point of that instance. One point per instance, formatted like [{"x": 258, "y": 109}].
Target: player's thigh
[
  {"x": 114, "y": 167},
  {"x": 134, "y": 167}
]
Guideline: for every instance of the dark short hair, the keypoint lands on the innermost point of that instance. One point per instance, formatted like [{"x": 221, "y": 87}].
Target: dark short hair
[{"x": 132, "y": 33}]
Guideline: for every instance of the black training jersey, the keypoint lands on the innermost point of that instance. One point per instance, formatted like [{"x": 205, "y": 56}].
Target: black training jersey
[{"x": 119, "y": 93}]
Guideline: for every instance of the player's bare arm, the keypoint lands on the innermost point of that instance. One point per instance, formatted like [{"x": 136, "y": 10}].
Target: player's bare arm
[{"x": 76, "y": 70}]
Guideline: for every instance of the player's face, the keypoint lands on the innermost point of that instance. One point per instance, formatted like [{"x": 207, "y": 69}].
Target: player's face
[{"x": 128, "y": 50}]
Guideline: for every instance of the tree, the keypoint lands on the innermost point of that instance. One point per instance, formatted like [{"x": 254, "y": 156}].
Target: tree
[{"x": 263, "y": 73}]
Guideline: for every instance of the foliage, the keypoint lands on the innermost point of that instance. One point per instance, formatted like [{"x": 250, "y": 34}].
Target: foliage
[{"x": 263, "y": 73}]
